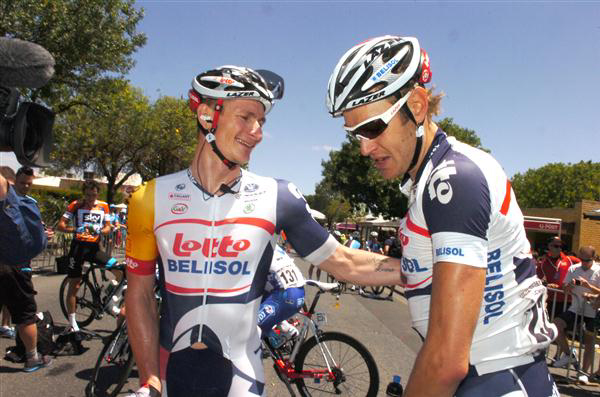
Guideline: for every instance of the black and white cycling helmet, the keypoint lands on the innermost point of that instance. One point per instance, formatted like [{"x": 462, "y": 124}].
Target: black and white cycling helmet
[
  {"x": 231, "y": 82},
  {"x": 376, "y": 69}
]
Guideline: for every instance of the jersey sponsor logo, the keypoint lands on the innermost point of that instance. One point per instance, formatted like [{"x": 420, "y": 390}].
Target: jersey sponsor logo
[
  {"x": 403, "y": 238},
  {"x": 179, "y": 208},
  {"x": 449, "y": 251},
  {"x": 493, "y": 293},
  {"x": 383, "y": 71},
  {"x": 180, "y": 196},
  {"x": 251, "y": 187},
  {"x": 92, "y": 217},
  {"x": 226, "y": 247},
  {"x": 208, "y": 267},
  {"x": 131, "y": 263},
  {"x": 412, "y": 265},
  {"x": 439, "y": 186},
  {"x": 180, "y": 187},
  {"x": 248, "y": 208},
  {"x": 367, "y": 99}
]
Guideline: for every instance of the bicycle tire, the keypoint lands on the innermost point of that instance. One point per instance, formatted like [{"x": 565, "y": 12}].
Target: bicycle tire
[
  {"x": 311, "y": 351},
  {"x": 377, "y": 290},
  {"x": 108, "y": 381},
  {"x": 85, "y": 295}
]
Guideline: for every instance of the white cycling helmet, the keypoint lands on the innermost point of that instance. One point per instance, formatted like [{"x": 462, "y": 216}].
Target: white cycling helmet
[
  {"x": 374, "y": 234},
  {"x": 374, "y": 70},
  {"x": 231, "y": 82}
]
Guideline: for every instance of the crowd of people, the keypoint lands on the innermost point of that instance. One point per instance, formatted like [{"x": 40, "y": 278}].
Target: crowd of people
[{"x": 461, "y": 251}]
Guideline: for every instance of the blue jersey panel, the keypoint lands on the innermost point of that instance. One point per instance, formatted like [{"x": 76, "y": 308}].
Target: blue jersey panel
[{"x": 457, "y": 197}]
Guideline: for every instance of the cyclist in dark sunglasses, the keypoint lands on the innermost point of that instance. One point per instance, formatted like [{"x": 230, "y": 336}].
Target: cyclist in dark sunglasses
[{"x": 471, "y": 284}]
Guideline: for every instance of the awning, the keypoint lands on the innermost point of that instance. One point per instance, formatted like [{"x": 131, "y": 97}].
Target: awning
[
  {"x": 543, "y": 225},
  {"x": 346, "y": 226}
]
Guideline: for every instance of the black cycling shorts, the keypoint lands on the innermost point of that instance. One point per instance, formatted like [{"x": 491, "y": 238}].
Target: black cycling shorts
[
  {"x": 18, "y": 294},
  {"x": 198, "y": 373},
  {"x": 529, "y": 380},
  {"x": 569, "y": 318},
  {"x": 84, "y": 251}
]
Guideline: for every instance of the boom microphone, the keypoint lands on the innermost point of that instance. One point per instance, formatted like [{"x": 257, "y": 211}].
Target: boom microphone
[{"x": 24, "y": 64}]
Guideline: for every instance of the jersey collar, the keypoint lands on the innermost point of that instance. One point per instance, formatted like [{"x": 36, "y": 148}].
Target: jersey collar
[{"x": 438, "y": 147}]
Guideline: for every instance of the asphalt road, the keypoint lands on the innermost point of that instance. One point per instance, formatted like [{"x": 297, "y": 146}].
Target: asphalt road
[{"x": 382, "y": 326}]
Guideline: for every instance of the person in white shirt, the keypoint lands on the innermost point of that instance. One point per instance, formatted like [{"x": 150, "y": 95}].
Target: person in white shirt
[{"x": 579, "y": 280}]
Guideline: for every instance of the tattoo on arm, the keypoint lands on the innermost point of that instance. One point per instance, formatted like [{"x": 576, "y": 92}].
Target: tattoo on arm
[{"x": 382, "y": 265}]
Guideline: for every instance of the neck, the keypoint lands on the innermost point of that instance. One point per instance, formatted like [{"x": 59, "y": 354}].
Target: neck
[
  {"x": 430, "y": 130},
  {"x": 209, "y": 171}
]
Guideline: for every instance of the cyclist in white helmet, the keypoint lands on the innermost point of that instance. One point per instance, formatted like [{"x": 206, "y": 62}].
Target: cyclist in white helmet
[
  {"x": 471, "y": 284},
  {"x": 212, "y": 229}
]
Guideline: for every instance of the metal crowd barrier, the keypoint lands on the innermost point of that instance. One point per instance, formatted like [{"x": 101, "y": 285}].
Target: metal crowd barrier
[
  {"x": 576, "y": 339},
  {"x": 59, "y": 244}
]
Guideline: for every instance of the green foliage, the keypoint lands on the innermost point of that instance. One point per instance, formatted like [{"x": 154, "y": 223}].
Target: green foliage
[
  {"x": 52, "y": 203},
  {"x": 557, "y": 185},
  {"x": 113, "y": 139},
  {"x": 355, "y": 179},
  {"x": 89, "y": 39},
  {"x": 460, "y": 133},
  {"x": 330, "y": 203},
  {"x": 172, "y": 128}
]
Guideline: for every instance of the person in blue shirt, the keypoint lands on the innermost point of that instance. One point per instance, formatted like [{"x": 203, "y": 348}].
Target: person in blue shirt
[{"x": 22, "y": 237}]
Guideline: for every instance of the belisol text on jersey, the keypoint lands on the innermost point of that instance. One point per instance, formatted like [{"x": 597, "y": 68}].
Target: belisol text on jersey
[
  {"x": 225, "y": 247},
  {"x": 208, "y": 267}
]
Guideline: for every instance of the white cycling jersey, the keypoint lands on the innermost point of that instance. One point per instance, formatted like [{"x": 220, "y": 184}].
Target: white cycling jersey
[
  {"x": 462, "y": 210},
  {"x": 214, "y": 254},
  {"x": 284, "y": 273}
]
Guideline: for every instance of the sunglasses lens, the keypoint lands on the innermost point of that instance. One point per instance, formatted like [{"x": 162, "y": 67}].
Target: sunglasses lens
[{"x": 371, "y": 130}]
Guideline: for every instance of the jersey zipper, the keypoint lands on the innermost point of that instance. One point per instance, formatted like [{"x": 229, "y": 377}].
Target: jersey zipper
[{"x": 213, "y": 211}]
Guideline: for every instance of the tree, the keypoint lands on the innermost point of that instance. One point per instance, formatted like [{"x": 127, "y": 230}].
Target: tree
[
  {"x": 173, "y": 130},
  {"x": 113, "y": 139},
  {"x": 330, "y": 203},
  {"x": 557, "y": 185},
  {"x": 91, "y": 40},
  {"x": 354, "y": 177}
]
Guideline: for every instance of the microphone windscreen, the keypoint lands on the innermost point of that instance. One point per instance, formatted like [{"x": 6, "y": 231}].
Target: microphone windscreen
[{"x": 24, "y": 64}]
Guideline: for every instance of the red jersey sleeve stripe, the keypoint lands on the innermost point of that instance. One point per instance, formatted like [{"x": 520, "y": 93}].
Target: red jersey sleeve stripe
[
  {"x": 417, "y": 229},
  {"x": 140, "y": 267},
  {"x": 506, "y": 202}
]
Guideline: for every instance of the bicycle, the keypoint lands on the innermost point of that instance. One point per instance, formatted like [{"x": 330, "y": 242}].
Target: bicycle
[
  {"x": 113, "y": 366},
  {"x": 326, "y": 363},
  {"x": 92, "y": 299}
]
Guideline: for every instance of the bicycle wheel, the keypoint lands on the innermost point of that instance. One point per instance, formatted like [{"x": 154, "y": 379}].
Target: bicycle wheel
[
  {"x": 84, "y": 309},
  {"x": 377, "y": 290},
  {"x": 353, "y": 368},
  {"x": 113, "y": 366}
]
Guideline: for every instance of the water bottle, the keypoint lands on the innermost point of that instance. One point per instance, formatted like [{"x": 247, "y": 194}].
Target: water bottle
[{"x": 394, "y": 388}]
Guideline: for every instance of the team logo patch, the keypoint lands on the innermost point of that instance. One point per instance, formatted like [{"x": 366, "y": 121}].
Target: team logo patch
[
  {"x": 248, "y": 208},
  {"x": 439, "y": 185},
  {"x": 179, "y": 209},
  {"x": 251, "y": 187},
  {"x": 180, "y": 187},
  {"x": 179, "y": 196}
]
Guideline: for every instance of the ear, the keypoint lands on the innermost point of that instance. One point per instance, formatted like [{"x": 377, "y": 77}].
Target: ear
[
  {"x": 418, "y": 104},
  {"x": 204, "y": 115}
]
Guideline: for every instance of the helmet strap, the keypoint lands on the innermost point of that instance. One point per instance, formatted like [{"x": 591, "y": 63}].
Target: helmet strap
[
  {"x": 419, "y": 132},
  {"x": 212, "y": 139}
]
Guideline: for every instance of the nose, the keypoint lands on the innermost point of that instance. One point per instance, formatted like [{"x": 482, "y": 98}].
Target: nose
[
  {"x": 256, "y": 131},
  {"x": 366, "y": 146}
]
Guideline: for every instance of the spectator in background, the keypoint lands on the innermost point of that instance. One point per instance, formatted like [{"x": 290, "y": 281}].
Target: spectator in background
[
  {"x": 373, "y": 244},
  {"x": 392, "y": 247},
  {"x": 577, "y": 282},
  {"x": 22, "y": 237},
  {"x": 552, "y": 269},
  {"x": 355, "y": 240}
]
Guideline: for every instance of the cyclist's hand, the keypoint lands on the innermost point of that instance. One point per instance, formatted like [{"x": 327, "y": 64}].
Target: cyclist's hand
[
  {"x": 96, "y": 229},
  {"x": 145, "y": 391}
]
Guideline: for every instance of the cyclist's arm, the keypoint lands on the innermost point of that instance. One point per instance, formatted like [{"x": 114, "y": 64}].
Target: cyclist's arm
[
  {"x": 142, "y": 323},
  {"x": 141, "y": 255},
  {"x": 443, "y": 361},
  {"x": 63, "y": 223},
  {"x": 362, "y": 267}
]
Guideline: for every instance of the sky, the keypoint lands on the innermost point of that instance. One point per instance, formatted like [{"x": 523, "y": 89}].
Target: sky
[{"x": 525, "y": 76}]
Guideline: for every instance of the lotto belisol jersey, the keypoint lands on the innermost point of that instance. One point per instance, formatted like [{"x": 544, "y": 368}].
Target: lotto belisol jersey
[
  {"x": 97, "y": 215},
  {"x": 463, "y": 210},
  {"x": 284, "y": 273},
  {"x": 214, "y": 254}
]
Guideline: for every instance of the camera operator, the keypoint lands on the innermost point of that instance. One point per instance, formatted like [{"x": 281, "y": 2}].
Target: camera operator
[{"x": 22, "y": 237}]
